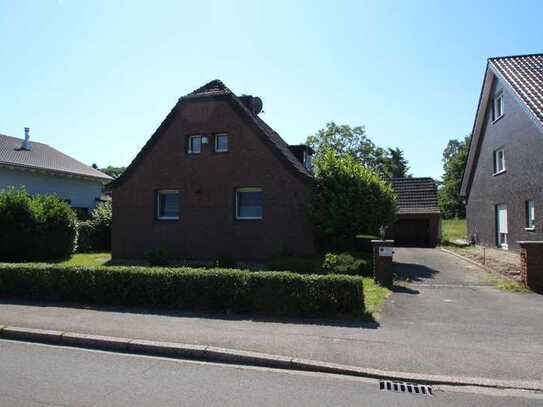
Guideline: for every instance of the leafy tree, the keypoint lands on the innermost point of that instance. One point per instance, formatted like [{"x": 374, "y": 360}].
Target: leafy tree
[
  {"x": 345, "y": 140},
  {"x": 112, "y": 171},
  {"x": 455, "y": 157},
  {"x": 349, "y": 199},
  {"x": 395, "y": 164}
]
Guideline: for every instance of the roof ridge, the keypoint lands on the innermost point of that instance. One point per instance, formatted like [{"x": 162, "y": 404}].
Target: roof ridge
[{"x": 516, "y": 56}]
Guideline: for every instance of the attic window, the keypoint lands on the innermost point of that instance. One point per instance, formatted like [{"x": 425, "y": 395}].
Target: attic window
[
  {"x": 221, "y": 143},
  {"x": 308, "y": 164},
  {"x": 195, "y": 145},
  {"x": 497, "y": 107},
  {"x": 499, "y": 161}
]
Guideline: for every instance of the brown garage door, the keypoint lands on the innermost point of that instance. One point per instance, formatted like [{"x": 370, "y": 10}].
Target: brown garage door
[{"x": 411, "y": 232}]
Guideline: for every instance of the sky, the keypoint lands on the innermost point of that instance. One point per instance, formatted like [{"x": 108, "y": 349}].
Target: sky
[{"x": 94, "y": 78}]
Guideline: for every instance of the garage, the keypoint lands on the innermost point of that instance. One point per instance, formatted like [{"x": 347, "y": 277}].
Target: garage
[{"x": 418, "y": 218}]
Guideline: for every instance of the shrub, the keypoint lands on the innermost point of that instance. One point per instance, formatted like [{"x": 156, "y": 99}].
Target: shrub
[
  {"x": 220, "y": 290},
  {"x": 345, "y": 263},
  {"x": 158, "y": 257},
  {"x": 349, "y": 200},
  {"x": 95, "y": 233},
  {"x": 298, "y": 265},
  {"x": 35, "y": 228}
]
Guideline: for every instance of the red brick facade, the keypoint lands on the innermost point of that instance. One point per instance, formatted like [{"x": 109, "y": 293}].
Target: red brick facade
[
  {"x": 531, "y": 272},
  {"x": 207, "y": 227}
]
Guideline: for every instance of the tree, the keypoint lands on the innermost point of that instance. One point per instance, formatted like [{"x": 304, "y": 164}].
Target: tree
[
  {"x": 112, "y": 171},
  {"x": 345, "y": 140},
  {"x": 455, "y": 157},
  {"x": 395, "y": 164},
  {"x": 349, "y": 199}
]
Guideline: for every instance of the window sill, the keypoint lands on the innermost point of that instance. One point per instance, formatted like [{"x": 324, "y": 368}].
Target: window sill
[
  {"x": 497, "y": 119},
  {"x": 532, "y": 229},
  {"x": 221, "y": 151},
  {"x": 168, "y": 218},
  {"x": 192, "y": 153},
  {"x": 249, "y": 219},
  {"x": 499, "y": 172}
]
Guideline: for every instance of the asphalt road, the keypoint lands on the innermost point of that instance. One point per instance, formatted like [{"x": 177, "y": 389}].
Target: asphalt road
[{"x": 37, "y": 375}]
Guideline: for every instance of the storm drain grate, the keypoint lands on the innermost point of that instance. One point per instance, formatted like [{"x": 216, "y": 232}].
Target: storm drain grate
[{"x": 403, "y": 387}]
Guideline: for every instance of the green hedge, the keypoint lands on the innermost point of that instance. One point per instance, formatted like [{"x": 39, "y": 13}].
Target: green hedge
[{"x": 217, "y": 290}]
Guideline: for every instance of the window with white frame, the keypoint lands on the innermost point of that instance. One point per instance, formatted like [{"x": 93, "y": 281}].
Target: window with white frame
[
  {"x": 249, "y": 203},
  {"x": 530, "y": 214},
  {"x": 497, "y": 107},
  {"x": 499, "y": 160},
  {"x": 308, "y": 162},
  {"x": 221, "y": 143},
  {"x": 195, "y": 145},
  {"x": 168, "y": 204}
]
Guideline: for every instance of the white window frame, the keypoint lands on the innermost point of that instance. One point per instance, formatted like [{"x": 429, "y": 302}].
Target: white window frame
[
  {"x": 497, "y": 102},
  {"x": 189, "y": 149},
  {"x": 219, "y": 150},
  {"x": 497, "y": 169},
  {"x": 502, "y": 233},
  {"x": 167, "y": 192},
  {"x": 247, "y": 189},
  {"x": 530, "y": 214}
]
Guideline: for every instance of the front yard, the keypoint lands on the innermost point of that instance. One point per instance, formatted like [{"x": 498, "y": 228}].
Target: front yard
[{"x": 306, "y": 268}]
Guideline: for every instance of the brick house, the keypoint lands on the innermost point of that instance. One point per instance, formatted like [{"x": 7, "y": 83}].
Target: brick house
[
  {"x": 502, "y": 182},
  {"x": 214, "y": 181}
]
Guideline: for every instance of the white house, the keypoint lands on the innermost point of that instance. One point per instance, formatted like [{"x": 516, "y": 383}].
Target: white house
[{"x": 41, "y": 169}]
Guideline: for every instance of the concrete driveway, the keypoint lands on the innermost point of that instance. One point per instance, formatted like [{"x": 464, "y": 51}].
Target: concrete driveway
[{"x": 463, "y": 321}]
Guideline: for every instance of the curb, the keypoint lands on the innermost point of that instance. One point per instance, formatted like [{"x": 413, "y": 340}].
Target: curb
[{"x": 215, "y": 354}]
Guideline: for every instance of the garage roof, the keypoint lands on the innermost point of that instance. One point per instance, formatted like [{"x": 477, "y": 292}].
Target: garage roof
[{"x": 416, "y": 195}]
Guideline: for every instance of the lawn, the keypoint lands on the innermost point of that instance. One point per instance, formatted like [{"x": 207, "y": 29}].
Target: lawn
[
  {"x": 453, "y": 229},
  {"x": 87, "y": 259}
]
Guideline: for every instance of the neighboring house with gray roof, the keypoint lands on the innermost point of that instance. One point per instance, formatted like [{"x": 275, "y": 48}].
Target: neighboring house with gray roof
[
  {"x": 502, "y": 182},
  {"x": 418, "y": 218},
  {"x": 41, "y": 169}
]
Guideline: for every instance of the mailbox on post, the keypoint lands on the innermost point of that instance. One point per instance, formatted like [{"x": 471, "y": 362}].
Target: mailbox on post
[{"x": 382, "y": 261}]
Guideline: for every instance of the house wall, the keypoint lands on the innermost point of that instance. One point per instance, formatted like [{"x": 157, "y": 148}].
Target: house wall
[
  {"x": 81, "y": 193},
  {"x": 523, "y": 143},
  {"x": 207, "y": 228}
]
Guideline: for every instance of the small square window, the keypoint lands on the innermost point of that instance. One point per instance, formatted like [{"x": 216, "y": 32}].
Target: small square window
[
  {"x": 497, "y": 107},
  {"x": 221, "y": 143},
  {"x": 249, "y": 203},
  {"x": 530, "y": 214},
  {"x": 499, "y": 161},
  {"x": 195, "y": 145},
  {"x": 168, "y": 205}
]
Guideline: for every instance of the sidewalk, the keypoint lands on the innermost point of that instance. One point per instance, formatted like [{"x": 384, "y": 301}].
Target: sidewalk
[{"x": 447, "y": 322}]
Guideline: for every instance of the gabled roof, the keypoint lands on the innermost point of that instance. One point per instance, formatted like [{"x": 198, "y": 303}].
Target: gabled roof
[
  {"x": 415, "y": 195},
  {"x": 44, "y": 158},
  {"x": 523, "y": 74},
  {"x": 217, "y": 89}
]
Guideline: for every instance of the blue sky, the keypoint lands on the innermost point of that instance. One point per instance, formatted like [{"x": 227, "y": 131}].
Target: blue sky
[{"x": 96, "y": 78}]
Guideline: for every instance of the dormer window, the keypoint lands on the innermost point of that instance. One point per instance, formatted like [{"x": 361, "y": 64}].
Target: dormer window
[
  {"x": 195, "y": 145},
  {"x": 497, "y": 107},
  {"x": 308, "y": 164}
]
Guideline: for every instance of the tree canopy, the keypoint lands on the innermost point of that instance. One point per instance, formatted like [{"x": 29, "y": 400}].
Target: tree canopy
[
  {"x": 345, "y": 140},
  {"x": 112, "y": 171},
  {"x": 454, "y": 160},
  {"x": 350, "y": 199}
]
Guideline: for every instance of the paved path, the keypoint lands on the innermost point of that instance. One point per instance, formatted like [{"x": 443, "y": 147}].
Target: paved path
[
  {"x": 40, "y": 375},
  {"x": 448, "y": 321}
]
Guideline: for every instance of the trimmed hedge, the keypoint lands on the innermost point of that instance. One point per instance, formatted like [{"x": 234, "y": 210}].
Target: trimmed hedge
[{"x": 217, "y": 290}]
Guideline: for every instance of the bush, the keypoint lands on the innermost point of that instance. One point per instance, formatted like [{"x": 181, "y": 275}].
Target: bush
[
  {"x": 220, "y": 290},
  {"x": 345, "y": 263},
  {"x": 349, "y": 200},
  {"x": 95, "y": 233},
  {"x": 298, "y": 265},
  {"x": 35, "y": 228}
]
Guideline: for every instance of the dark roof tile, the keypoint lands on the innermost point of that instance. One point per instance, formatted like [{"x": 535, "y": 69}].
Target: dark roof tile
[{"x": 415, "y": 195}]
